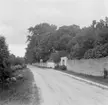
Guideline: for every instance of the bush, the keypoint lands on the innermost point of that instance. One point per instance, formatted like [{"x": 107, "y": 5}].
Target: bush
[
  {"x": 18, "y": 67},
  {"x": 17, "y": 63},
  {"x": 16, "y": 60},
  {"x": 4, "y": 74},
  {"x": 59, "y": 67},
  {"x": 24, "y": 66},
  {"x": 63, "y": 67},
  {"x": 56, "y": 67}
]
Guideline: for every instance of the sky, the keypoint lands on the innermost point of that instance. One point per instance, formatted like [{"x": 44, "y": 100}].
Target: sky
[{"x": 16, "y": 16}]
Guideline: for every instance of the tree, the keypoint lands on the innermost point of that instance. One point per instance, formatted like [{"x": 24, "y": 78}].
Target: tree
[
  {"x": 44, "y": 39},
  {"x": 64, "y": 41},
  {"x": 89, "y": 54},
  {"x": 94, "y": 23},
  {"x": 55, "y": 57},
  {"x": 38, "y": 42},
  {"x": 4, "y": 60},
  {"x": 4, "y": 53},
  {"x": 106, "y": 21}
]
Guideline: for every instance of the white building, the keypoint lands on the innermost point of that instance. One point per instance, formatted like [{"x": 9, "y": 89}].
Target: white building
[
  {"x": 63, "y": 61},
  {"x": 51, "y": 64}
]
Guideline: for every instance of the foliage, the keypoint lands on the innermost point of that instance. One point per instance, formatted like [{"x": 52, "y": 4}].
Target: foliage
[
  {"x": 39, "y": 42},
  {"x": 89, "y": 54},
  {"x": 97, "y": 52},
  {"x": 4, "y": 60},
  {"x": 88, "y": 42},
  {"x": 61, "y": 67},
  {"x": 55, "y": 57},
  {"x": 45, "y": 39},
  {"x": 16, "y": 62}
]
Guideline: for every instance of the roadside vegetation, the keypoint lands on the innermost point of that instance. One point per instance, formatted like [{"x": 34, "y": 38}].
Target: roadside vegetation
[
  {"x": 61, "y": 67},
  {"x": 16, "y": 80}
]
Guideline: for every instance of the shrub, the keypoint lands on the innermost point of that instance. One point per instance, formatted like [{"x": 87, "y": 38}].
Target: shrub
[
  {"x": 16, "y": 60},
  {"x": 61, "y": 67},
  {"x": 5, "y": 73},
  {"x": 57, "y": 67},
  {"x": 20, "y": 76},
  {"x": 17, "y": 63},
  {"x": 24, "y": 66},
  {"x": 18, "y": 67}
]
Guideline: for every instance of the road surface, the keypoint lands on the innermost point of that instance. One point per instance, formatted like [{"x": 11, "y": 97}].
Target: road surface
[{"x": 59, "y": 89}]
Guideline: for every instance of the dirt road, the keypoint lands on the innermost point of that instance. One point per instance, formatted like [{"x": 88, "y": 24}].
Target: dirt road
[{"x": 59, "y": 89}]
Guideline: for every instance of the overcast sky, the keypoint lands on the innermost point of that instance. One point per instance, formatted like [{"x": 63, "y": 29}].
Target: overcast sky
[{"x": 16, "y": 16}]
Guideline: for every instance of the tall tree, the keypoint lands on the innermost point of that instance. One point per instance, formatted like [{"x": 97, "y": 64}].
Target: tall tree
[
  {"x": 4, "y": 60},
  {"x": 38, "y": 41}
]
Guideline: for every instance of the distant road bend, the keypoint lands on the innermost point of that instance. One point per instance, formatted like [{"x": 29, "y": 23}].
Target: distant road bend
[{"x": 59, "y": 89}]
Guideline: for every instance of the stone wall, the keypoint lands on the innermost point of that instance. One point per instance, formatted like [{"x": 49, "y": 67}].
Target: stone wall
[{"x": 90, "y": 66}]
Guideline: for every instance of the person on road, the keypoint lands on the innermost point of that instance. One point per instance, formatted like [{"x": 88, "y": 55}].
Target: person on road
[{"x": 105, "y": 73}]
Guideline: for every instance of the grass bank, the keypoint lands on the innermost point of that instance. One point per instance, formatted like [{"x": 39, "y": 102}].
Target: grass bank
[
  {"x": 98, "y": 79},
  {"x": 21, "y": 92}
]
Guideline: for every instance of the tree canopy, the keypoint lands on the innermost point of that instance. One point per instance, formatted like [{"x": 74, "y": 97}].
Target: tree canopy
[{"x": 88, "y": 42}]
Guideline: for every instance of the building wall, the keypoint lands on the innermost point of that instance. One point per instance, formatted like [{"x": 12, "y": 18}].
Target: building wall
[{"x": 63, "y": 61}]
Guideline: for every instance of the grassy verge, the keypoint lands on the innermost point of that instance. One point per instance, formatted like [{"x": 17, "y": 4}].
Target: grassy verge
[
  {"x": 22, "y": 91},
  {"x": 98, "y": 79}
]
